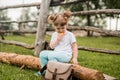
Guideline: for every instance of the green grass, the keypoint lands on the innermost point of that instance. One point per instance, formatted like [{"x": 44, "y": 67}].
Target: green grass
[
  {"x": 107, "y": 63},
  {"x": 112, "y": 43}
]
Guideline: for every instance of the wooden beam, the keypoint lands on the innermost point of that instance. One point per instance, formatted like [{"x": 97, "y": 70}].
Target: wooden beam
[
  {"x": 69, "y": 3},
  {"x": 99, "y": 50},
  {"x": 20, "y": 5},
  {"x": 25, "y": 21},
  {"x": 94, "y": 29},
  {"x": 72, "y": 28},
  {"x": 17, "y": 31},
  {"x": 21, "y": 44},
  {"x": 38, "y": 4},
  {"x": 46, "y": 46},
  {"x": 94, "y": 12},
  {"x": 42, "y": 26}
]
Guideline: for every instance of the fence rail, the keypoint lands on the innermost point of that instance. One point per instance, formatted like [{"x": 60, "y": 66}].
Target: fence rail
[
  {"x": 93, "y": 12},
  {"x": 72, "y": 28},
  {"x": 38, "y": 4},
  {"x": 27, "y": 46},
  {"x": 25, "y": 21}
]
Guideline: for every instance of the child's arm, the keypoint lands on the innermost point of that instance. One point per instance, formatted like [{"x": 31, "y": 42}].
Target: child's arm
[
  {"x": 75, "y": 53},
  {"x": 56, "y": 42}
]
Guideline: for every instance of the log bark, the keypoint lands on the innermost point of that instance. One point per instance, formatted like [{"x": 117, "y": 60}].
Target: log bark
[
  {"x": 20, "y": 60},
  {"x": 79, "y": 72},
  {"x": 84, "y": 73}
]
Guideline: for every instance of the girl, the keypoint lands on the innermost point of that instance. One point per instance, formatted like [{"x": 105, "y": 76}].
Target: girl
[{"x": 62, "y": 41}]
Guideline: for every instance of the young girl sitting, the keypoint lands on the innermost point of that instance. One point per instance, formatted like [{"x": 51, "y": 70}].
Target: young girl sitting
[{"x": 62, "y": 41}]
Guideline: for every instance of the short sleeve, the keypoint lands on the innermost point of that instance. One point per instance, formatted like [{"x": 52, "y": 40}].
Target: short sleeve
[
  {"x": 53, "y": 37},
  {"x": 72, "y": 38}
]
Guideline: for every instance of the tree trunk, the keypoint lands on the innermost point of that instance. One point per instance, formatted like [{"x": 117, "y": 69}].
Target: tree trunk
[
  {"x": 42, "y": 25},
  {"x": 79, "y": 72}
]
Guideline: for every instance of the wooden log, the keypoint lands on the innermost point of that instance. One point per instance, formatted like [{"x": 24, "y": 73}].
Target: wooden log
[
  {"x": 20, "y": 60},
  {"x": 79, "y": 72},
  {"x": 84, "y": 73}
]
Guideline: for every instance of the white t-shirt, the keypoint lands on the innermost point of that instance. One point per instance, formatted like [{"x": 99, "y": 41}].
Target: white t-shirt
[{"x": 66, "y": 43}]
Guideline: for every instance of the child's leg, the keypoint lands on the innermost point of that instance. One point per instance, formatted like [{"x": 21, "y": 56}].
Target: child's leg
[
  {"x": 59, "y": 56},
  {"x": 44, "y": 57},
  {"x": 43, "y": 60},
  {"x": 54, "y": 56}
]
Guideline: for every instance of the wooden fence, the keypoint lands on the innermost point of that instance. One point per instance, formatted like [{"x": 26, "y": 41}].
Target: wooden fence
[{"x": 43, "y": 12}]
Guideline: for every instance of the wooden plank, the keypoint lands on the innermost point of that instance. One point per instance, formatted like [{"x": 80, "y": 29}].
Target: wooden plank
[{"x": 107, "y": 77}]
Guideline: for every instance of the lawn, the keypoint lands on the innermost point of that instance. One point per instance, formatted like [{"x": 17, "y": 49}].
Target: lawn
[{"x": 107, "y": 63}]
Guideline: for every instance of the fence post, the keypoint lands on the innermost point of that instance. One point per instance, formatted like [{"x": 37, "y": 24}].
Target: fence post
[{"x": 42, "y": 25}]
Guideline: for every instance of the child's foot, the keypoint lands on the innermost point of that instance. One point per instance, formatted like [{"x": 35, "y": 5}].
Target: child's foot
[{"x": 38, "y": 74}]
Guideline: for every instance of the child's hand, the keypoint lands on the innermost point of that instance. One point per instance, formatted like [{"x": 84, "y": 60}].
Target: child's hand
[
  {"x": 74, "y": 61},
  {"x": 60, "y": 36}
]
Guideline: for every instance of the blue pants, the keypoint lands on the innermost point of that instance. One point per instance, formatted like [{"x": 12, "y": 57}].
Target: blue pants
[{"x": 60, "y": 56}]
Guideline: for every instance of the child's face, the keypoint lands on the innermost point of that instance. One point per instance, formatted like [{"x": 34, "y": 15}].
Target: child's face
[
  {"x": 60, "y": 27},
  {"x": 60, "y": 24}
]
